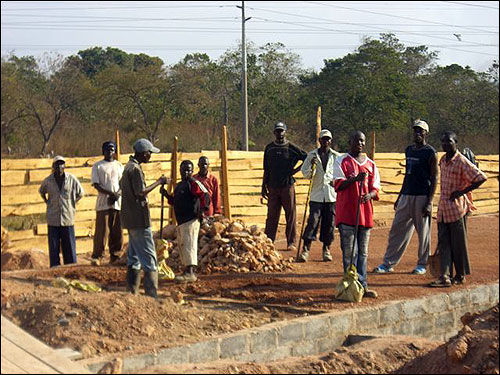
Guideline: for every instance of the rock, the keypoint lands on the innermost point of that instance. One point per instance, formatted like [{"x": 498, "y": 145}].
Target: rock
[
  {"x": 113, "y": 367},
  {"x": 169, "y": 232},
  {"x": 177, "y": 296},
  {"x": 217, "y": 228},
  {"x": 457, "y": 349},
  {"x": 72, "y": 314},
  {"x": 63, "y": 322}
]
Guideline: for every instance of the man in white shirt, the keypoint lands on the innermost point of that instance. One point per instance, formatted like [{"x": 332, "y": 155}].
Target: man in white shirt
[
  {"x": 323, "y": 196},
  {"x": 106, "y": 175}
]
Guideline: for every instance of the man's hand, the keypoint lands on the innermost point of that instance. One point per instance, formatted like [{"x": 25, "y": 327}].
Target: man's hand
[
  {"x": 396, "y": 204},
  {"x": 112, "y": 198},
  {"x": 314, "y": 161},
  {"x": 264, "y": 192},
  {"x": 367, "y": 197},
  {"x": 163, "y": 191},
  {"x": 427, "y": 210},
  {"x": 455, "y": 195},
  {"x": 164, "y": 180}
]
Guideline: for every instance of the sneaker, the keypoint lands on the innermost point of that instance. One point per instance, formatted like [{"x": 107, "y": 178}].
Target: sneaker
[
  {"x": 95, "y": 262},
  {"x": 459, "y": 280},
  {"x": 383, "y": 269},
  {"x": 291, "y": 248},
  {"x": 186, "y": 278},
  {"x": 442, "y": 282},
  {"x": 419, "y": 270},
  {"x": 327, "y": 257},
  {"x": 370, "y": 293}
]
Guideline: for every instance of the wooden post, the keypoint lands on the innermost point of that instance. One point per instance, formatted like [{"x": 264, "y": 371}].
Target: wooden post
[
  {"x": 225, "y": 178},
  {"x": 318, "y": 125},
  {"x": 117, "y": 140},
  {"x": 372, "y": 150},
  {"x": 173, "y": 182}
]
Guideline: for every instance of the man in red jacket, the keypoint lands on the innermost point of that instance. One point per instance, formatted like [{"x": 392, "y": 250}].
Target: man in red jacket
[{"x": 212, "y": 185}]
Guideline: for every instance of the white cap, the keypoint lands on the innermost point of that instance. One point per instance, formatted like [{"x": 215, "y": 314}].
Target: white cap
[
  {"x": 58, "y": 158},
  {"x": 421, "y": 124},
  {"x": 325, "y": 133}
]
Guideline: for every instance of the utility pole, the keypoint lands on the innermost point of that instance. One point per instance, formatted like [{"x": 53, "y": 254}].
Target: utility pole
[{"x": 244, "y": 97}]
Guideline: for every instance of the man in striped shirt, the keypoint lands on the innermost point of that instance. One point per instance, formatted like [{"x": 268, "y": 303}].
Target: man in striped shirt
[{"x": 458, "y": 177}]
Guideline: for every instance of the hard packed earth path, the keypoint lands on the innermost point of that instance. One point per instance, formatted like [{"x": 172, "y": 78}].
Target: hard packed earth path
[{"x": 115, "y": 322}]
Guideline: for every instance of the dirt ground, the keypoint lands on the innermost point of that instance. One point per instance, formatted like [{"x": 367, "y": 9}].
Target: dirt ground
[{"x": 215, "y": 304}]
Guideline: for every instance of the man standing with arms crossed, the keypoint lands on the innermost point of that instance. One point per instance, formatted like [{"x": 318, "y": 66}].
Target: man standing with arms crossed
[
  {"x": 323, "y": 196},
  {"x": 210, "y": 182},
  {"x": 278, "y": 184},
  {"x": 414, "y": 203}
]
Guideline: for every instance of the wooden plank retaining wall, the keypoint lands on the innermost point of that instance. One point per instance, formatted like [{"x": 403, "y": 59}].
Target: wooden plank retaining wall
[{"x": 21, "y": 178}]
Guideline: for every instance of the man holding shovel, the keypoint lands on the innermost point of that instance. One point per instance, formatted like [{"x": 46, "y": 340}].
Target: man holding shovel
[
  {"x": 354, "y": 222},
  {"x": 318, "y": 167}
]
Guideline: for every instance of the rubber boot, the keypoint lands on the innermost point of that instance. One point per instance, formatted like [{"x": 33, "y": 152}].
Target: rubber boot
[
  {"x": 151, "y": 283},
  {"x": 133, "y": 280}
]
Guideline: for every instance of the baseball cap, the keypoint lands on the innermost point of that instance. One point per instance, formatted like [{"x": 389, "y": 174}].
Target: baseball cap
[
  {"x": 58, "y": 158},
  {"x": 325, "y": 133},
  {"x": 421, "y": 124},
  {"x": 280, "y": 125},
  {"x": 143, "y": 145}
]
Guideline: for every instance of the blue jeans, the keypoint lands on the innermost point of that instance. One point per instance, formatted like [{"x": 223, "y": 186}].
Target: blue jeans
[
  {"x": 360, "y": 254},
  {"x": 61, "y": 238},
  {"x": 141, "y": 250}
]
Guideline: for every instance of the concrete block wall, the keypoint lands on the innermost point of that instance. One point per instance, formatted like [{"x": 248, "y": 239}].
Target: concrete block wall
[{"x": 436, "y": 317}]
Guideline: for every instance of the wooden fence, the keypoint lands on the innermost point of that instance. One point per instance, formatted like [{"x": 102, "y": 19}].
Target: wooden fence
[{"x": 20, "y": 180}]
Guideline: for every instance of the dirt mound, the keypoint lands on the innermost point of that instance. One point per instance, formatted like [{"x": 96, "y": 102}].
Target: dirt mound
[
  {"x": 20, "y": 260},
  {"x": 473, "y": 351}
]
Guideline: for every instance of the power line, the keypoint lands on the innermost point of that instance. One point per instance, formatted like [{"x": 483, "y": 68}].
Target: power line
[{"x": 471, "y": 5}]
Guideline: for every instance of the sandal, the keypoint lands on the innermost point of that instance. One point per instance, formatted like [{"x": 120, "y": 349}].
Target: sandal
[{"x": 441, "y": 283}]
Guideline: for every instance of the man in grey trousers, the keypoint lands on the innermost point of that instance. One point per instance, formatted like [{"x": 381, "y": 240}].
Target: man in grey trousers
[{"x": 414, "y": 203}]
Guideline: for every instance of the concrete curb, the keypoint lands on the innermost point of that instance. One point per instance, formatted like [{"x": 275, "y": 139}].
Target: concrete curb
[{"x": 436, "y": 317}]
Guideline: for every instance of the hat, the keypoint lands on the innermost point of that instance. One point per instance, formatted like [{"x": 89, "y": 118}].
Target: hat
[
  {"x": 58, "y": 158},
  {"x": 421, "y": 124},
  {"x": 280, "y": 125},
  {"x": 143, "y": 145},
  {"x": 325, "y": 133},
  {"x": 107, "y": 145}
]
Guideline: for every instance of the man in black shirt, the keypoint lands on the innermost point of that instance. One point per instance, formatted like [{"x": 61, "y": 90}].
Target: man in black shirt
[
  {"x": 414, "y": 203},
  {"x": 280, "y": 159}
]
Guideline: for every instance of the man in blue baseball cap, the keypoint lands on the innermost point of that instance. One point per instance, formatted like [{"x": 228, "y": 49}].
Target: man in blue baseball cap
[{"x": 135, "y": 217}]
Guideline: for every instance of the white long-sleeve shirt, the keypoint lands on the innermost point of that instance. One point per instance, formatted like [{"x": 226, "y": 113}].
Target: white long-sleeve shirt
[{"x": 321, "y": 190}]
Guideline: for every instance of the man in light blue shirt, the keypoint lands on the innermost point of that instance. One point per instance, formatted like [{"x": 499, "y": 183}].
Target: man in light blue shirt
[{"x": 318, "y": 166}]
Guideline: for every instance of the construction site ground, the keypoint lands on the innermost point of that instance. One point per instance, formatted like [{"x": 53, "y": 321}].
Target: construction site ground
[{"x": 113, "y": 322}]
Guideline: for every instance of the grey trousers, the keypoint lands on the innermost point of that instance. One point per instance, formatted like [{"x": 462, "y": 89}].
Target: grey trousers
[
  {"x": 409, "y": 217},
  {"x": 452, "y": 244}
]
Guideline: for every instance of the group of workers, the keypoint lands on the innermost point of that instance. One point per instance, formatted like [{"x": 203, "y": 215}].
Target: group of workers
[{"x": 343, "y": 187}]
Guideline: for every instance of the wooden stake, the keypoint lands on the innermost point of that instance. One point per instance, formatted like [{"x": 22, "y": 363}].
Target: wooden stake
[
  {"x": 318, "y": 125},
  {"x": 372, "y": 151},
  {"x": 173, "y": 182},
  {"x": 117, "y": 141},
  {"x": 225, "y": 179}
]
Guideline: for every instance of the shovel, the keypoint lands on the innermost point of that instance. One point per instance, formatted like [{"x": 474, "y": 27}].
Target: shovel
[
  {"x": 313, "y": 167},
  {"x": 349, "y": 288}
]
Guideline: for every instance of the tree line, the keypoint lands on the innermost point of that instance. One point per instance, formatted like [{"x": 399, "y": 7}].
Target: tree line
[{"x": 71, "y": 105}]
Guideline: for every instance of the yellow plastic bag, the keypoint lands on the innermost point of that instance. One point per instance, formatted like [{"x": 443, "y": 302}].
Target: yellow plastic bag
[
  {"x": 61, "y": 282},
  {"x": 349, "y": 288},
  {"x": 164, "y": 271}
]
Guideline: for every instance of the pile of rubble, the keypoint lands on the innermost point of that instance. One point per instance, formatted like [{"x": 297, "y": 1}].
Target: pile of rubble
[{"x": 226, "y": 246}]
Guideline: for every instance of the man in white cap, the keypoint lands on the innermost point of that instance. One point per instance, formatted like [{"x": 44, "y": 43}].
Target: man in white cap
[
  {"x": 135, "y": 217},
  {"x": 63, "y": 190},
  {"x": 318, "y": 166},
  {"x": 278, "y": 184},
  {"x": 414, "y": 203}
]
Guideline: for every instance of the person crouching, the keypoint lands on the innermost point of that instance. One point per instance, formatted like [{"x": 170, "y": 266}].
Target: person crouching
[{"x": 190, "y": 201}]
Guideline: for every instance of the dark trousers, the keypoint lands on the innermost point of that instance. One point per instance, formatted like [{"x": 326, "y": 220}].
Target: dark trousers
[
  {"x": 62, "y": 237},
  {"x": 107, "y": 229},
  {"x": 277, "y": 198},
  {"x": 452, "y": 244},
  {"x": 323, "y": 212}
]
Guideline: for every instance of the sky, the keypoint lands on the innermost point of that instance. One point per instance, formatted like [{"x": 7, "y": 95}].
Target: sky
[{"x": 462, "y": 32}]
